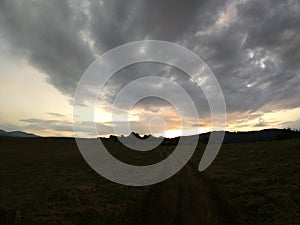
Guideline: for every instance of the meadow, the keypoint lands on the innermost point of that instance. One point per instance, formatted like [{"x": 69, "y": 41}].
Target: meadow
[{"x": 45, "y": 181}]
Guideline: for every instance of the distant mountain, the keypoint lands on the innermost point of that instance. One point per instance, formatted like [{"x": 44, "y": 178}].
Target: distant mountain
[
  {"x": 16, "y": 134},
  {"x": 255, "y": 136},
  {"x": 230, "y": 137}
]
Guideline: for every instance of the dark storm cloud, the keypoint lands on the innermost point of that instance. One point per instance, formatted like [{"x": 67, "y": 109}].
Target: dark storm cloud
[
  {"x": 274, "y": 26},
  {"x": 161, "y": 88},
  {"x": 254, "y": 56},
  {"x": 117, "y": 22},
  {"x": 47, "y": 33},
  {"x": 252, "y": 46}
]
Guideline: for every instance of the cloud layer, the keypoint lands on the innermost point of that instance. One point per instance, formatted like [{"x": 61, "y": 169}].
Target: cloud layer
[{"x": 252, "y": 46}]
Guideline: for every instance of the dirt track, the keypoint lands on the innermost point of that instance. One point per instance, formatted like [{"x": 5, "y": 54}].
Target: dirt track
[{"x": 186, "y": 199}]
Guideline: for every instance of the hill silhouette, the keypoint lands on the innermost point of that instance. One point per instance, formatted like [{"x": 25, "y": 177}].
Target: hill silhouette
[
  {"x": 16, "y": 134},
  {"x": 230, "y": 137}
]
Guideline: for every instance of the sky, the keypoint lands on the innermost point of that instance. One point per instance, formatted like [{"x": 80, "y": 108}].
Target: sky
[{"x": 252, "y": 47}]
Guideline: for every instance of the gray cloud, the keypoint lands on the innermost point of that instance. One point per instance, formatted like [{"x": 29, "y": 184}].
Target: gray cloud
[
  {"x": 47, "y": 33},
  {"x": 63, "y": 126},
  {"x": 250, "y": 68},
  {"x": 56, "y": 115},
  {"x": 252, "y": 46},
  {"x": 40, "y": 124},
  {"x": 103, "y": 129},
  {"x": 292, "y": 124},
  {"x": 117, "y": 22},
  {"x": 261, "y": 123}
]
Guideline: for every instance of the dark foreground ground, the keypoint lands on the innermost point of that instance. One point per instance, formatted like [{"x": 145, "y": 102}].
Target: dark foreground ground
[{"x": 46, "y": 181}]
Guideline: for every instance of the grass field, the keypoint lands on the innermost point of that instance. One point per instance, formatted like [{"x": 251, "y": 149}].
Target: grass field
[
  {"x": 46, "y": 181},
  {"x": 259, "y": 181}
]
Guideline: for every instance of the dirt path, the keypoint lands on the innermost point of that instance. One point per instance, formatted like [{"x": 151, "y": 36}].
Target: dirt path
[{"x": 186, "y": 199}]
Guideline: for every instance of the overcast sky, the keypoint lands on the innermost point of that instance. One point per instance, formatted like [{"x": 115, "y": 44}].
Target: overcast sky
[{"x": 252, "y": 46}]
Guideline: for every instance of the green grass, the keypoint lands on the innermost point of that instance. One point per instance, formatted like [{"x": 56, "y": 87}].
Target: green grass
[{"x": 46, "y": 181}]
